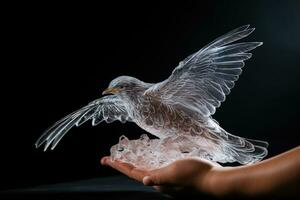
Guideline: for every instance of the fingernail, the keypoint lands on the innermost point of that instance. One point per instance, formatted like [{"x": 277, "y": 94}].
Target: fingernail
[{"x": 147, "y": 180}]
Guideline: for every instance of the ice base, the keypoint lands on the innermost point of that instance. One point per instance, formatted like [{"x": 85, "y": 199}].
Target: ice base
[{"x": 155, "y": 153}]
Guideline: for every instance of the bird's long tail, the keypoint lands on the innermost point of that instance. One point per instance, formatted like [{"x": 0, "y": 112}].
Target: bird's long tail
[
  {"x": 244, "y": 150},
  {"x": 232, "y": 148}
]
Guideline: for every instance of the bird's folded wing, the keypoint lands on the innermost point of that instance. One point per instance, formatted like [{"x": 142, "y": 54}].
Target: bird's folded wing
[
  {"x": 108, "y": 108},
  {"x": 201, "y": 81}
]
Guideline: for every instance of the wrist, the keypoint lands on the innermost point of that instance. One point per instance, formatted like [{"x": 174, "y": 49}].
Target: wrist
[{"x": 219, "y": 182}]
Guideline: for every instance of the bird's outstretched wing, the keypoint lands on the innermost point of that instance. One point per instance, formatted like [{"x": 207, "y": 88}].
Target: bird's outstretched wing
[
  {"x": 201, "y": 81},
  {"x": 108, "y": 108}
]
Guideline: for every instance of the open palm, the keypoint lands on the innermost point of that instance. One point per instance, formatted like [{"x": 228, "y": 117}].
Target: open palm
[{"x": 190, "y": 174}]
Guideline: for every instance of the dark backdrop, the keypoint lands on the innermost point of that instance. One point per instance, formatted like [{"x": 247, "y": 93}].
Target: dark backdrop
[{"x": 60, "y": 57}]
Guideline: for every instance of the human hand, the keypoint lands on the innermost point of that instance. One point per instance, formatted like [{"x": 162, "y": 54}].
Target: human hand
[
  {"x": 277, "y": 176},
  {"x": 189, "y": 174}
]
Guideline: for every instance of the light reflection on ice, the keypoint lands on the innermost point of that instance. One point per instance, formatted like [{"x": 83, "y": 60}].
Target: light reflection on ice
[{"x": 154, "y": 153}]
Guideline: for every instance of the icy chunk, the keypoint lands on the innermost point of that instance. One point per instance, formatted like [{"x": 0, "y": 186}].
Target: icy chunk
[{"x": 155, "y": 153}]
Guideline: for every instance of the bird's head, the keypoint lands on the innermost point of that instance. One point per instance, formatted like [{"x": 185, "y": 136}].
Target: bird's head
[{"x": 123, "y": 85}]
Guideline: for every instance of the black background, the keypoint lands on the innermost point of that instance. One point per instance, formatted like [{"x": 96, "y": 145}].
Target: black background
[{"x": 57, "y": 58}]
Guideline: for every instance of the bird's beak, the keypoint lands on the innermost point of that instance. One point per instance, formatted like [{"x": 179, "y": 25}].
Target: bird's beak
[{"x": 110, "y": 91}]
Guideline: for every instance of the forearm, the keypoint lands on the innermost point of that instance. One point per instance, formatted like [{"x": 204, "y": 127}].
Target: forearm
[{"x": 269, "y": 176}]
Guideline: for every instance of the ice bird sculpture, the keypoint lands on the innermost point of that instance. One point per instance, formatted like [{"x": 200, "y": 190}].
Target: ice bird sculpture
[{"x": 179, "y": 107}]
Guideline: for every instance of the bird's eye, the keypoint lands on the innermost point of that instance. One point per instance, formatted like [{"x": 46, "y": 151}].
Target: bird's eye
[{"x": 121, "y": 86}]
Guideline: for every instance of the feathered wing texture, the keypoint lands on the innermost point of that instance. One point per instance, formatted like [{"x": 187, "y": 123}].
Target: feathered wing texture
[
  {"x": 108, "y": 108},
  {"x": 201, "y": 81}
]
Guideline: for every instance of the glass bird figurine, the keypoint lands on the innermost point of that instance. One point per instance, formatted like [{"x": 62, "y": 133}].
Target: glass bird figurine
[{"x": 178, "y": 110}]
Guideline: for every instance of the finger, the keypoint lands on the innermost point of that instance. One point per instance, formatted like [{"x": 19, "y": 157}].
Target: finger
[
  {"x": 127, "y": 169},
  {"x": 162, "y": 176},
  {"x": 104, "y": 160}
]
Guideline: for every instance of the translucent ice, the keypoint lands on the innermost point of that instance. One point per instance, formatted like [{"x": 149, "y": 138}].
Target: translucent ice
[{"x": 154, "y": 153}]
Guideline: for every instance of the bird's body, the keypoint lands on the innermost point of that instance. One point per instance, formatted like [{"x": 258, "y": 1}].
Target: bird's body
[
  {"x": 162, "y": 120},
  {"x": 181, "y": 106}
]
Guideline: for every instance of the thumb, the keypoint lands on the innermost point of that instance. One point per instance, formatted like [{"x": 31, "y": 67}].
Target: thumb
[
  {"x": 147, "y": 180},
  {"x": 160, "y": 176},
  {"x": 153, "y": 180}
]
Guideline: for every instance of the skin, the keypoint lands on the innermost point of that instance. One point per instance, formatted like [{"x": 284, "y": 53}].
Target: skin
[{"x": 277, "y": 176}]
